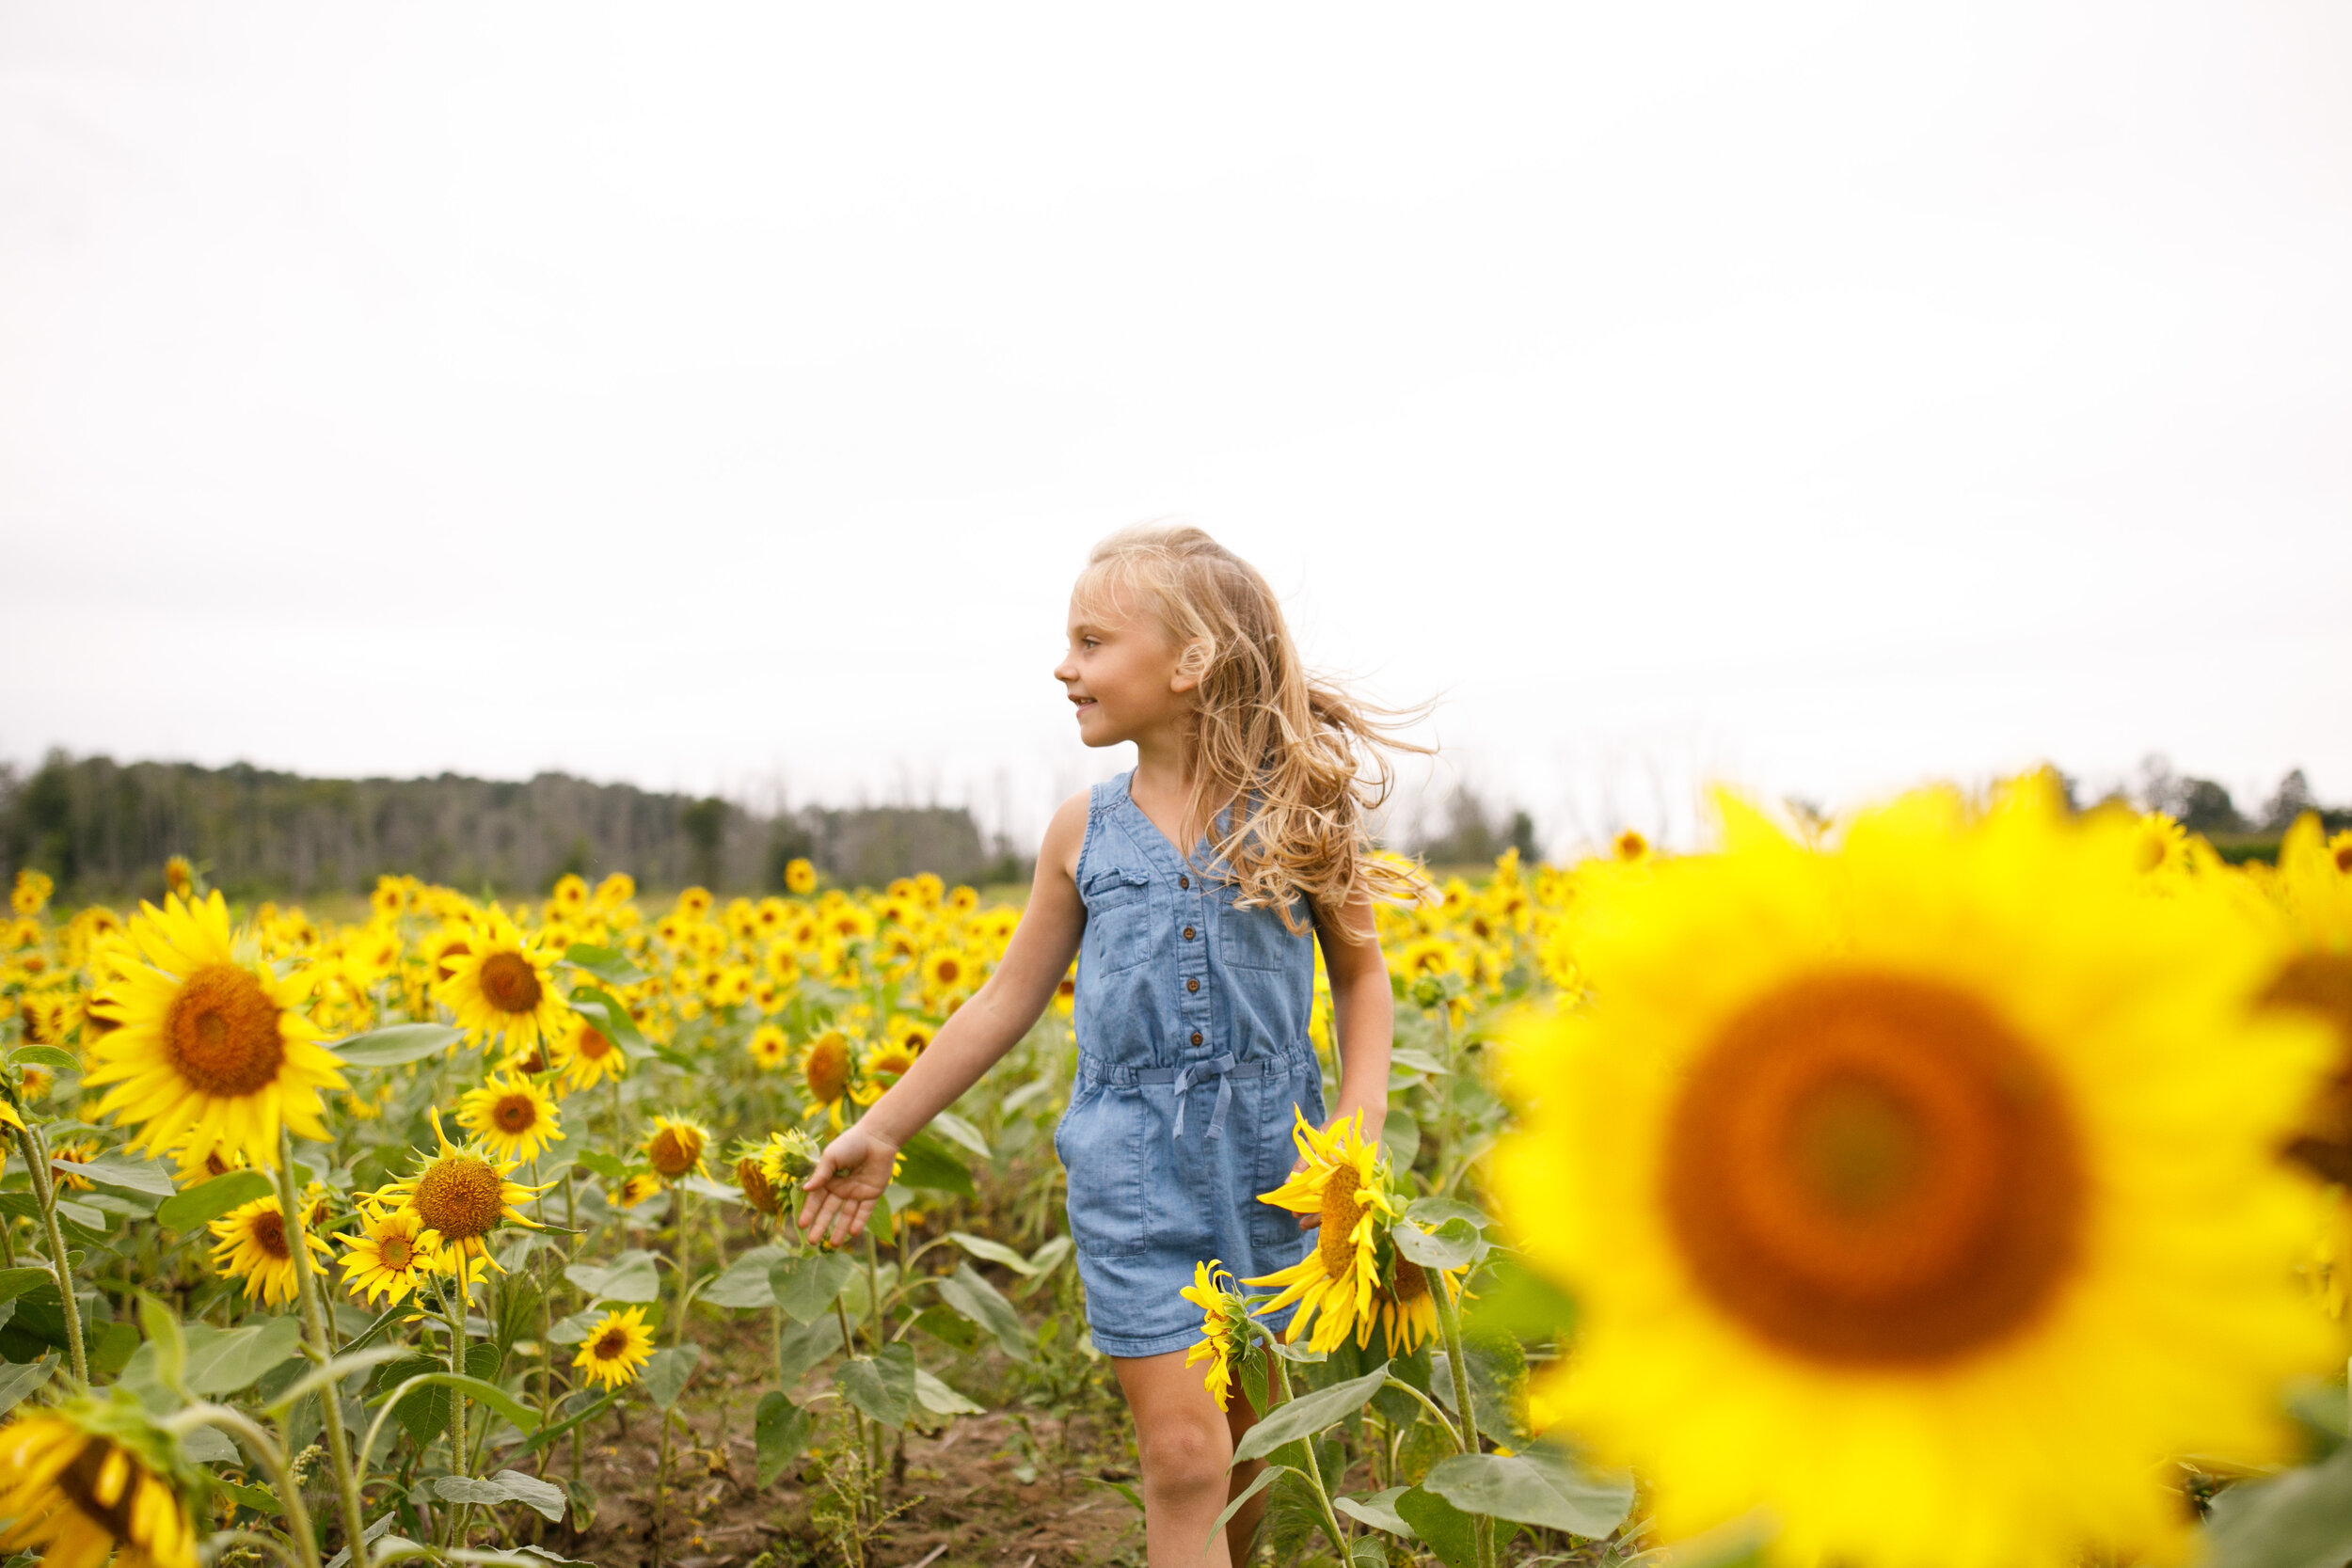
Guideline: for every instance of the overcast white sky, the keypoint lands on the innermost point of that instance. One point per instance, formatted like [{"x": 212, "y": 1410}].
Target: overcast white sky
[{"x": 1821, "y": 397}]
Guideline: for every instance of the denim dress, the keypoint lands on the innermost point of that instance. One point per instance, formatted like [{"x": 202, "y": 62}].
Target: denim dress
[{"x": 1193, "y": 1056}]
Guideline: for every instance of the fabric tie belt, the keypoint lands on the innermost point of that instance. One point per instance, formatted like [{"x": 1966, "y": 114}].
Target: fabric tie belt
[{"x": 1223, "y": 1068}]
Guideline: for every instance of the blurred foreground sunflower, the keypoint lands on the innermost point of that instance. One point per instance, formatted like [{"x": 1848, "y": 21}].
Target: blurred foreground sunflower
[
  {"x": 1922, "y": 1194},
  {"x": 86, "y": 1479},
  {"x": 206, "y": 1048}
]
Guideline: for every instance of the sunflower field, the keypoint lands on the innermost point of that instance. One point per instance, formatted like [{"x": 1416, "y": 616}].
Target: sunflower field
[{"x": 1956, "y": 1186}]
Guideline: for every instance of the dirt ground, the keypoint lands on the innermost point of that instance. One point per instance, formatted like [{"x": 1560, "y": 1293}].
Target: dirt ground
[{"x": 959, "y": 1500}]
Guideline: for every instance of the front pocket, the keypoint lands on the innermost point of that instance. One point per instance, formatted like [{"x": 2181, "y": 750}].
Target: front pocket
[
  {"x": 1119, "y": 920},
  {"x": 1099, "y": 1141},
  {"x": 1257, "y": 939}
]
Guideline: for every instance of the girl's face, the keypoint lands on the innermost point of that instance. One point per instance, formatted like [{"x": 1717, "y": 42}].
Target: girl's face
[{"x": 1121, "y": 673}]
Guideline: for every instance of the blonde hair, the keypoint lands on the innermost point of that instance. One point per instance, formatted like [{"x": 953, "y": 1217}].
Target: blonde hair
[{"x": 1303, "y": 763}]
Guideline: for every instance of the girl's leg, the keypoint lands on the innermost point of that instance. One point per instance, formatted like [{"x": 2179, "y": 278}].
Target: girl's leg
[{"x": 1187, "y": 1444}]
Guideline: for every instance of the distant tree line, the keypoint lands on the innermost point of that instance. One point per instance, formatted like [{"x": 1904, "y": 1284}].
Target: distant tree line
[
  {"x": 2204, "y": 806},
  {"x": 105, "y": 829}
]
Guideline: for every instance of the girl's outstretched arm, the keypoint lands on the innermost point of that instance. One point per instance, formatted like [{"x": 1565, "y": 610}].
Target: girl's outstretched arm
[{"x": 855, "y": 1166}]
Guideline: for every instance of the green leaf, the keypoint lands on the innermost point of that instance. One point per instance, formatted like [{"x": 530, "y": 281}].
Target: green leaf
[
  {"x": 604, "y": 1165},
  {"x": 119, "y": 1171},
  {"x": 612, "y": 1018},
  {"x": 1435, "y": 1211},
  {"x": 613, "y": 968},
  {"x": 544, "y": 1435},
  {"x": 1134, "y": 1499},
  {"x": 260, "y": 1499},
  {"x": 15, "y": 1282},
  {"x": 474, "y": 1389},
  {"x": 335, "y": 1371},
  {"x": 46, "y": 1056},
  {"x": 1309, "y": 1413},
  {"x": 939, "y": 1399},
  {"x": 1379, "y": 1510},
  {"x": 666, "y": 1375},
  {"x": 949, "y": 1328},
  {"x": 996, "y": 1252},
  {"x": 1415, "y": 1061},
  {"x": 806, "y": 1287},
  {"x": 780, "y": 1430},
  {"x": 575, "y": 1329},
  {"x": 745, "y": 1281},
  {"x": 396, "y": 1044},
  {"x": 1534, "y": 1489},
  {"x": 111, "y": 1349},
  {"x": 224, "y": 1361},
  {"x": 971, "y": 1294},
  {"x": 959, "y": 1130},
  {"x": 1514, "y": 1301},
  {"x": 1450, "y": 1246},
  {"x": 2302, "y": 1519},
  {"x": 1266, "y": 1479},
  {"x": 171, "y": 1347},
  {"x": 629, "y": 1277},
  {"x": 208, "y": 1201},
  {"x": 507, "y": 1486},
  {"x": 930, "y": 1164},
  {"x": 20, "y": 1378},
  {"x": 882, "y": 1385},
  {"x": 717, "y": 1191},
  {"x": 1444, "y": 1528}
]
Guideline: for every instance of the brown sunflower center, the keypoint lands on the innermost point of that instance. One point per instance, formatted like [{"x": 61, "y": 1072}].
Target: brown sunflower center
[
  {"x": 611, "y": 1344},
  {"x": 395, "y": 1251},
  {"x": 510, "y": 982},
  {"x": 1342, "y": 1209},
  {"x": 673, "y": 1151},
  {"x": 1411, "y": 1283},
  {"x": 79, "y": 1483},
  {"x": 2152, "y": 851},
  {"x": 516, "y": 1112},
  {"x": 754, "y": 1181},
  {"x": 2343, "y": 858},
  {"x": 444, "y": 966},
  {"x": 269, "y": 1234},
  {"x": 827, "y": 1070},
  {"x": 592, "y": 1045},
  {"x": 221, "y": 1032},
  {"x": 949, "y": 972},
  {"x": 461, "y": 1196},
  {"x": 1873, "y": 1170},
  {"x": 2320, "y": 984}
]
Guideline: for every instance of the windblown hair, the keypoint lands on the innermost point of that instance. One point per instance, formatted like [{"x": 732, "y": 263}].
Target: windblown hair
[{"x": 1303, "y": 764}]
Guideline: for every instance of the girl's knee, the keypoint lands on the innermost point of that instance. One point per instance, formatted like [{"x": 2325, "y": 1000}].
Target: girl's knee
[{"x": 1184, "y": 1455}]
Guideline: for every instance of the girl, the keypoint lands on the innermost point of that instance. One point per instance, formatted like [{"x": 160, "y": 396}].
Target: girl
[{"x": 1196, "y": 973}]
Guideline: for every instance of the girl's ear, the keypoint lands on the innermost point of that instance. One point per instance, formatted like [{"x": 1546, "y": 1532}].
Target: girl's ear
[{"x": 1191, "y": 665}]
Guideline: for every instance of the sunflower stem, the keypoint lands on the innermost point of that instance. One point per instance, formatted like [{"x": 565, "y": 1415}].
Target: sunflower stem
[
  {"x": 456, "y": 1322},
  {"x": 45, "y": 1195},
  {"x": 273, "y": 1457},
  {"x": 1458, "y": 1366},
  {"x": 1437, "y": 1413},
  {"x": 1331, "y": 1525},
  {"x": 347, "y": 1484}
]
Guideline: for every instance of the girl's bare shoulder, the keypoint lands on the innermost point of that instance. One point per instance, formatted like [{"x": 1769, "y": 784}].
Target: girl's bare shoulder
[{"x": 1065, "y": 835}]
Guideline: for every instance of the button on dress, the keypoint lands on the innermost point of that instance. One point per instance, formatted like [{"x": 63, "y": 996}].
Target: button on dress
[{"x": 1193, "y": 1059}]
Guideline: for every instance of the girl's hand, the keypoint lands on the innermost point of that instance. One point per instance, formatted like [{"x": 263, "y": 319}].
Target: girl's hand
[
  {"x": 850, "y": 1175},
  {"x": 1374, "y": 1115}
]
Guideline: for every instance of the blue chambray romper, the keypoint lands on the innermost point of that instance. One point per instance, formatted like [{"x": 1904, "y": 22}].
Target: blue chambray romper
[{"x": 1193, "y": 1053}]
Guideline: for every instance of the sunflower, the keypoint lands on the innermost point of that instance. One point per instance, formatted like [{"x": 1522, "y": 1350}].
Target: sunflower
[
  {"x": 461, "y": 1195},
  {"x": 760, "y": 1193},
  {"x": 31, "y": 892},
  {"x": 1343, "y": 1180},
  {"x": 788, "y": 1156},
  {"x": 1407, "y": 1308},
  {"x": 616, "y": 1348},
  {"x": 393, "y": 1254},
  {"x": 586, "y": 1056},
  {"x": 829, "y": 1072},
  {"x": 254, "y": 1246},
  {"x": 783, "y": 965},
  {"x": 799, "y": 877},
  {"x": 503, "y": 986},
  {"x": 674, "y": 1148},
  {"x": 193, "y": 1167},
  {"x": 889, "y": 1062},
  {"x": 445, "y": 947},
  {"x": 1866, "y": 1168},
  {"x": 770, "y": 1047},
  {"x": 178, "y": 875},
  {"x": 947, "y": 968},
  {"x": 87, "y": 1479},
  {"x": 1224, "y": 1327},
  {"x": 2309, "y": 910},
  {"x": 207, "y": 1050},
  {"x": 910, "y": 1032},
  {"x": 634, "y": 1189},
  {"x": 511, "y": 1116}
]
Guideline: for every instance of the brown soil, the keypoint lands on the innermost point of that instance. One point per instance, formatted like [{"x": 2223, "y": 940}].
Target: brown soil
[{"x": 957, "y": 1500}]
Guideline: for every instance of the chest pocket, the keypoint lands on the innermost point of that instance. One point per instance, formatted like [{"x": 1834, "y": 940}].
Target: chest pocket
[
  {"x": 1257, "y": 939},
  {"x": 1119, "y": 919}
]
